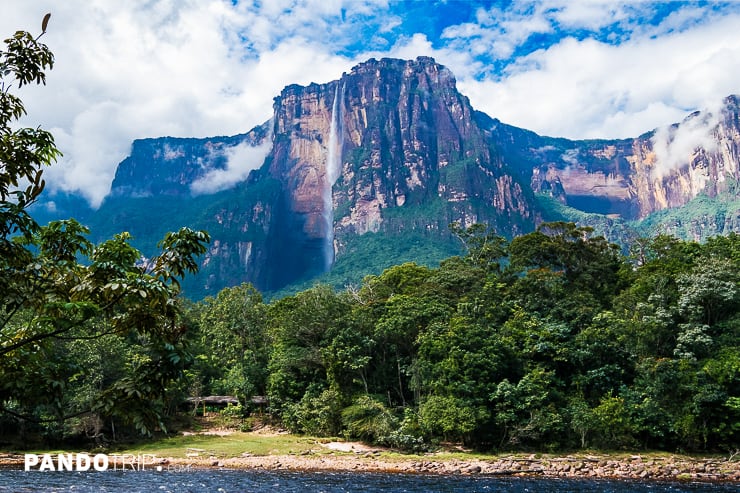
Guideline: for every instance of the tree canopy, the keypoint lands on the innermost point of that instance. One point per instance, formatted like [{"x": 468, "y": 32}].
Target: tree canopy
[
  {"x": 553, "y": 340},
  {"x": 90, "y": 332}
]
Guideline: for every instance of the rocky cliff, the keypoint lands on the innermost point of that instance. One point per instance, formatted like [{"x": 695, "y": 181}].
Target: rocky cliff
[
  {"x": 633, "y": 178},
  {"x": 185, "y": 166},
  {"x": 388, "y": 150},
  {"x": 377, "y": 151}
]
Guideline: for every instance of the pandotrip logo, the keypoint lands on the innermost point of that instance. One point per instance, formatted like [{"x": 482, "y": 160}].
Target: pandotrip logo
[{"x": 97, "y": 462}]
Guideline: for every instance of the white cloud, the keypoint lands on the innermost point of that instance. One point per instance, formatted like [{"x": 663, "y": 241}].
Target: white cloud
[
  {"x": 240, "y": 160},
  {"x": 592, "y": 14},
  {"x": 499, "y": 31},
  {"x": 674, "y": 146},
  {"x": 128, "y": 70},
  {"x": 197, "y": 68},
  {"x": 590, "y": 89}
]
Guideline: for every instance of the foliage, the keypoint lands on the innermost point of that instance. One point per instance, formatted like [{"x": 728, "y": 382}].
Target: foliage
[
  {"x": 317, "y": 414},
  {"x": 65, "y": 301},
  {"x": 233, "y": 342},
  {"x": 368, "y": 419},
  {"x": 231, "y": 416},
  {"x": 375, "y": 252},
  {"x": 553, "y": 340}
]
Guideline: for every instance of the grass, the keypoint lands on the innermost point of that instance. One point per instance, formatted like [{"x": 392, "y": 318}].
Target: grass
[
  {"x": 238, "y": 443},
  {"x": 232, "y": 445}
]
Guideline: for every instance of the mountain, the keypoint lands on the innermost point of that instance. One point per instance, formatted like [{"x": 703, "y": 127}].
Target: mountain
[
  {"x": 368, "y": 170},
  {"x": 680, "y": 180},
  {"x": 634, "y": 178}
]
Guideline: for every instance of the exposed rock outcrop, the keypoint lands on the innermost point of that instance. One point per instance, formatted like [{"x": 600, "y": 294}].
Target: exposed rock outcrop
[
  {"x": 402, "y": 136},
  {"x": 634, "y": 178}
]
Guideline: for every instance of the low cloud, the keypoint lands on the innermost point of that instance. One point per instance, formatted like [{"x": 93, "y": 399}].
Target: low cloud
[
  {"x": 142, "y": 69},
  {"x": 591, "y": 89},
  {"x": 241, "y": 159},
  {"x": 675, "y": 146}
]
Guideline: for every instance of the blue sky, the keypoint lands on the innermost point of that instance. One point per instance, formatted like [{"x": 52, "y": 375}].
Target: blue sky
[{"x": 572, "y": 68}]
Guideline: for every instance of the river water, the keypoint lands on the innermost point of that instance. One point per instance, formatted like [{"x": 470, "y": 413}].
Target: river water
[{"x": 223, "y": 481}]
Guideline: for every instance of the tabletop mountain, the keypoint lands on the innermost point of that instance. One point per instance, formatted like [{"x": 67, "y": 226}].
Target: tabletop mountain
[{"x": 370, "y": 169}]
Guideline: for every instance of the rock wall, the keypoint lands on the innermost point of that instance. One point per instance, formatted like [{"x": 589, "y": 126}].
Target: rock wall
[
  {"x": 633, "y": 178},
  {"x": 408, "y": 140}
]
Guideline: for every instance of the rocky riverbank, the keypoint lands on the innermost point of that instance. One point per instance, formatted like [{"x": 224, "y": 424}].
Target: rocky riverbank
[
  {"x": 591, "y": 466},
  {"x": 369, "y": 460}
]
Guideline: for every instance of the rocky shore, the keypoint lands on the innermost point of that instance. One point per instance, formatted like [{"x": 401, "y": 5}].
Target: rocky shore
[
  {"x": 632, "y": 467},
  {"x": 636, "y": 467}
]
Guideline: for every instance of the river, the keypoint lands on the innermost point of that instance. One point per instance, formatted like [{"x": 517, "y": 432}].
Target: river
[{"x": 223, "y": 481}]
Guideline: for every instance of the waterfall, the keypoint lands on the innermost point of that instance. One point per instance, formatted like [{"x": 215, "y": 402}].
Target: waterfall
[{"x": 333, "y": 170}]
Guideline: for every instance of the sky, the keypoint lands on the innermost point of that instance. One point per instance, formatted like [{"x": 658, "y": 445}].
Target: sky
[{"x": 199, "y": 68}]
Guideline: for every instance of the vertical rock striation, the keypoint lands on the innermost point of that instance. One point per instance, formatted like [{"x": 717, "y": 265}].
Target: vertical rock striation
[
  {"x": 633, "y": 178},
  {"x": 397, "y": 147},
  {"x": 412, "y": 143}
]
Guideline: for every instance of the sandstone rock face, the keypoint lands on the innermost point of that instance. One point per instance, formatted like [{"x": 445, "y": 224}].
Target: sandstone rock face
[
  {"x": 170, "y": 166},
  {"x": 303, "y": 118},
  {"x": 634, "y": 178},
  {"x": 410, "y": 139},
  {"x": 242, "y": 252},
  {"x": 700, "y": 155},
  {"x": 400, "y": 135}
]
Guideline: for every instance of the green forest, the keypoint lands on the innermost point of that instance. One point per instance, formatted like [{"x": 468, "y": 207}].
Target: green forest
[
  {"x": 551, "y": 340},
  {"x": 554, "y": 340}
]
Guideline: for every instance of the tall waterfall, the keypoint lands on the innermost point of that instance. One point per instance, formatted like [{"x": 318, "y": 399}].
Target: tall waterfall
[{"x": 333, "y": 170}]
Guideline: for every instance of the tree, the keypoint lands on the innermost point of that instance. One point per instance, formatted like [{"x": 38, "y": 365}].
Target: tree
[
  {"x": 234, "y": 340},
  {"x": 602, "y": 358},
  {"x": 576, "y": 273},
  {"x": 528, "y": 411},
  {"x": 461, "y": 363},
  {"x": 299, "y": 328},
  {"x": 484, "y": 249},
  {"x": 451, "y": 417},
  {"x": 403, "y": 319},
  {"x": 23, "y": 154},
  {"x": 709, "y": 291},
  {"x": 56, "y": 287}
]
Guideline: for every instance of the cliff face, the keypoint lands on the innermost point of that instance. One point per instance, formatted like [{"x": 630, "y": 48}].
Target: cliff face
[
  {"x": 410, "y": 140},
  {"x": 171, "y": 166},
  {"x": 633, "y": 178},
  {"x": 391, "y": 147},
  {"x": 166, "y": 183},
  {"x": 389, "y": 135},
  {"x": 299, "y": 161},
  {"x": 700, "y": 155}
]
